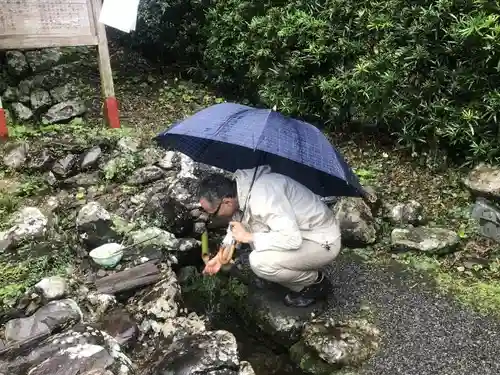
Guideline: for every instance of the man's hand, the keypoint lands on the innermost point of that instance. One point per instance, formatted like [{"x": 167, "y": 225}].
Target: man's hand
[
  {"x": 213, "y": 266},
  {"x": 239, "y": 232}
]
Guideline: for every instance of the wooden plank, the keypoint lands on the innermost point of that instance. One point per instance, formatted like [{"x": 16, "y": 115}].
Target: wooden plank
[
  {"x": 32, "y": 42},
  {"x": 132, "y": 278},
  {"x": 104, "y": 60}
]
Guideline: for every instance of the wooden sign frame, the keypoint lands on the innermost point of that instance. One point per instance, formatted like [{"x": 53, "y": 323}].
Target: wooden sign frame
[{"x": 96, "y": 37}]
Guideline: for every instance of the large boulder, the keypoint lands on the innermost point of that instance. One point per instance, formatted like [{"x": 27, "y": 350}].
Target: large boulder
[
  {"x": 213, "y": 352},
  {"x": 356, "y": 222},
  {"x": 424, "y": 239},
  {"x": 484, "y": 180},
  {"x": 327, "y": 346},
  {"x": 80, "y": 350}
]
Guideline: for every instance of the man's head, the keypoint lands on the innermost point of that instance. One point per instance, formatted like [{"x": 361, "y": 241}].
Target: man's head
[{"x": 218, "y": 195}]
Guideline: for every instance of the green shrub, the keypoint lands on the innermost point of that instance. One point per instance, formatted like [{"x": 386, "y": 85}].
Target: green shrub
[
  {"x": 425, "y": 71},
  {"x": 168, "y": 30}
]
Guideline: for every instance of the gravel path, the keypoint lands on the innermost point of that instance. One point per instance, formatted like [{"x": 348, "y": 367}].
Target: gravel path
[{"x": 424, "y": 333}]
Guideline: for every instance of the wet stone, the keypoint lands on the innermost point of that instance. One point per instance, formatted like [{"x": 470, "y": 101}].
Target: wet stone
[
  {"x": 64, "y": 111},
  {"x": 11, "y": 94},
  {"x": 424, "y": 239},
  {"x": 40, "y": 99},
  {"x": 484, "y": 180},
  {"x": 120, "y": 325},
  {"x": 21, "y": 112},
  {"x": 16, "y": 158},
  {"x": 356, "y": 221},
  {"x": 41, "y": 161},
  {"x": 16, "y": 63},
  {"x": 64, "y": 166}
]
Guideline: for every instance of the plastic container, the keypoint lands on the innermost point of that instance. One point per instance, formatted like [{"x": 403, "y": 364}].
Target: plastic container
[{"x": 107, "y": 255}]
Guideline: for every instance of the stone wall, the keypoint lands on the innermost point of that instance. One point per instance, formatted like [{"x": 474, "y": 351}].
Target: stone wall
[{"x": 44, "y": 85}]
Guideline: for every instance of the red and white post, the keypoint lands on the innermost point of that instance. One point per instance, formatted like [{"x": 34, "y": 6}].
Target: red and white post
[{"x": 4, "y": 131}]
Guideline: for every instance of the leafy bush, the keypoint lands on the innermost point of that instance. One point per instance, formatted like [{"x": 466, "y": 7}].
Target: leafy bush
[
  {"x": 168, "y": 30},
  {"x": 424, "y": 71}
]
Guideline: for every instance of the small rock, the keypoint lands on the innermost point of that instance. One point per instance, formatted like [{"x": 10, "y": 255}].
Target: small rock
[
  {"x": 145, "y": 175},
  {"x": 63, "y": 93},
  {"x": 16, "y": 63},
  {"x": 43, "y": 59},
  {"x": 127, "y": 144},
  {"x": 407, "y": 213},
  {"x": 41, "y": 161},
  {"x": 119, "y": 325},
  {"x": 150, "y": 155},
  {"x": 246, "y": 368},
  {"x": 91, "y": 157},
  {"x": 64, "y": 166},
  {"x": 25, "y": 87},
  {"x": 326, "y": 345},
  {"x": 64, "y": 111},
  {"x": 170, "y": 160},
  {"x": 28, "y": 223},
  {"x": 21, "y": 112},
  {"x": 174, "y": 329},
  {"x": 40, "y": 99},
  {"x": 154, "y": 236},
  {"x": 356, "y": 222},
  {"x": 47, "y": 319},
  {"x": 484, "y": 180},
  {"x": 51, "y": 288},
  {"x": 11, "y": 94},
  {"x": 83, "y": 179},
  {"x": 95, "y": 226},
  {"x": 16, "y": 158},
  {"x": 425, "y": 239}
]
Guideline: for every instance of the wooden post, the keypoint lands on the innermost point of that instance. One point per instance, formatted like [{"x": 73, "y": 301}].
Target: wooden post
[
  {"x": 111, "y": 113},
  {"x": 4, "y": 131}
]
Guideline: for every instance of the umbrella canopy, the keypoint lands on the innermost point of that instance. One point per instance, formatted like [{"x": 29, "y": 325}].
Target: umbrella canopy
[{"x": 234, "y": 136}]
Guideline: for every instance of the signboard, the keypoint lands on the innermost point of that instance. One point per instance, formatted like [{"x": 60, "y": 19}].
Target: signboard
[
  {"x": 32, "y": 24},
  {"x": 46, "y": 23}
]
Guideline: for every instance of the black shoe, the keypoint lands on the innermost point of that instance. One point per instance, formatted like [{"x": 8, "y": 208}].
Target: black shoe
[{"x": 309, "y": 295}]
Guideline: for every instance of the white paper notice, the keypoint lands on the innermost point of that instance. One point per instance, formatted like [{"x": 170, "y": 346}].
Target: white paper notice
[{"x": 120, "y": 14}]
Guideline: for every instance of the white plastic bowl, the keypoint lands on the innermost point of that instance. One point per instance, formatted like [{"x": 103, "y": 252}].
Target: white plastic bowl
[{"x": 107, "y": 255}]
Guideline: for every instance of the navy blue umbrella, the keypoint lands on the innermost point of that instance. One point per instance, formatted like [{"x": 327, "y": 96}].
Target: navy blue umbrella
[{"x": 234, "y": 136}]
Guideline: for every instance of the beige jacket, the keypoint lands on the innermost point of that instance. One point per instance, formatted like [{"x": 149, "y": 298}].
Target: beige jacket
[{"x": 282, "y": 212}]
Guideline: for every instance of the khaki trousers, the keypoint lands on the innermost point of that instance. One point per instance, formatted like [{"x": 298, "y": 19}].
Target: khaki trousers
[{"x": 294, "y": 269}]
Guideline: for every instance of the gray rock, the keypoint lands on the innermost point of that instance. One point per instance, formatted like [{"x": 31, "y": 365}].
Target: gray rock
[
  {"x": 51, "y": 288},
  {"x": 424, "y": 239},
  {"x": 81, "y": 350},
  {"x": 91, "y": 157},
  {"x": 484, "y": 180},
  {"x": 64, "y": 111},
  {"x": 246, "y": 368},
  {"x": 127, "y": 144},
  {"x": 146, "y": 175},
  {"x": 64, "y": 166},
  {"x": 27, "y": 224},
  {"x": 25, "y": 87},
  {"x": 327, "y": 345},
  {"x": 150, "y": 155},
  {"x": 41, "y": 161},
  {"x": 11, "y": 94},
  {"x": 21, "y": 112},
  {"x": 63, "y": 93},
  {"x": 95, "y": 226},
  {"x": 43, "y": 59},
  {"x": 155, "y": 237},
  {"x": 356, "y": 222},
  {"x": 177, "y": 328},
  {"x": 170, "y": 160},
  {"x": 119, "y": 325},
  {"x": 160, "y": 302},
  {"x": 16, "y": 63},
  {"x": 212, "y": 352},
  {"x": 55, "y": 315},
  {"x": 83, "y": 179},
  {"x": 406, "y": 213},
  {"x": 40, "y": 99},
  {"x": 16, "y": 158}
]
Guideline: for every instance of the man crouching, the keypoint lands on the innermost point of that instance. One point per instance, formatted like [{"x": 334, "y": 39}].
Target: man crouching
[{"x": 292, "y": 232}]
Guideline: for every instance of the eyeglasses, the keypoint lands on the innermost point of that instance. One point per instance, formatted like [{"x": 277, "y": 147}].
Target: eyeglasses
[{"x": 214, "y": 214}]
